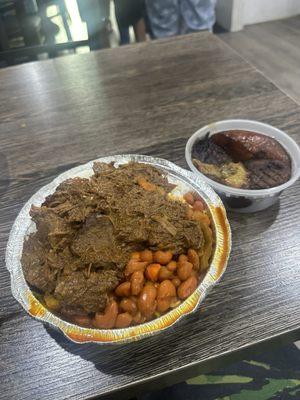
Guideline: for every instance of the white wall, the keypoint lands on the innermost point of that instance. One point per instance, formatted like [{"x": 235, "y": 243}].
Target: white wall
[
  {"x": 234, "y": 14},
  {"x": 229, "y": 14},
  {"x": 255, "y": 11}
]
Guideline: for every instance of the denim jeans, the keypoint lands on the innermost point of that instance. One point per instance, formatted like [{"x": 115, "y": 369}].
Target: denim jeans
[{"x": 176, "y": 17}]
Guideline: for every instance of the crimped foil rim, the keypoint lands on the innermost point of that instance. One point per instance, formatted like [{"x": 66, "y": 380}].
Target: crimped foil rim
[{"x": 25, "y": 297}]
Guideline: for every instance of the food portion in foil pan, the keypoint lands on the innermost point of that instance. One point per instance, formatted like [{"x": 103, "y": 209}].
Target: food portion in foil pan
[{"x": 117, "y": 249}]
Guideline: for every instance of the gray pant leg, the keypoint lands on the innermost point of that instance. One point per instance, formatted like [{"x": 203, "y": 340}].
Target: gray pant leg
[
  {"x": 164, "y": 17},
  {"x": 197, "y": 15}
]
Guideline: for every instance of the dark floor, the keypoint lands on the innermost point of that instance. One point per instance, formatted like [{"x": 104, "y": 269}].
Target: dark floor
[{"x": 274, "y": 49}]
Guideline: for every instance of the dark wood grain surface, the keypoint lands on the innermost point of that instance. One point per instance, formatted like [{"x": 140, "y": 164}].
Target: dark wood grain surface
[
  {"x": 273, "y": 48},
  {"x": 147, "y": 98}
]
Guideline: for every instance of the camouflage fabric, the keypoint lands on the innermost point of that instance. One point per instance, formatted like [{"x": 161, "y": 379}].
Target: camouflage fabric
[
  {"x": 176, "y": 17},
  {"x": 272, "y": 376}
]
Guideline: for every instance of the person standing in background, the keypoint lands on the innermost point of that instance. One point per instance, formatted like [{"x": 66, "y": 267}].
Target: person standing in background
[
  {"x": 178, "y": 17},
  {"x": 96, "y": 15},
  {"x": 130, "y": 13}
]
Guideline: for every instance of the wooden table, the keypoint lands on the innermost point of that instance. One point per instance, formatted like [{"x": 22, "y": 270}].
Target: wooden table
[{"x": 147, "y": 98}]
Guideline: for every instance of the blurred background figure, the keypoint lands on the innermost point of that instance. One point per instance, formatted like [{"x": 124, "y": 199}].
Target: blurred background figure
[
  {"x": 178, "y": 17},
  {"x": 49, "y": 29},
  {"x": 96, "y": 15},
  {"x": 130, "y": 13}
]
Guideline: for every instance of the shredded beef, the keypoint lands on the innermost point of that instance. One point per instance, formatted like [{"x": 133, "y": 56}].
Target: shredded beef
[
  {"x": 87, "y": 229},
  {"x": 80, "y": 292},
  {"x": 35, "y": 267}
]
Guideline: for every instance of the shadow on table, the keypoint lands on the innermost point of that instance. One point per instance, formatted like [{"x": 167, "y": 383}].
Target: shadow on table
[
  {"x": 124, "y": 358},
  {"x": 254, "y": 223}
]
